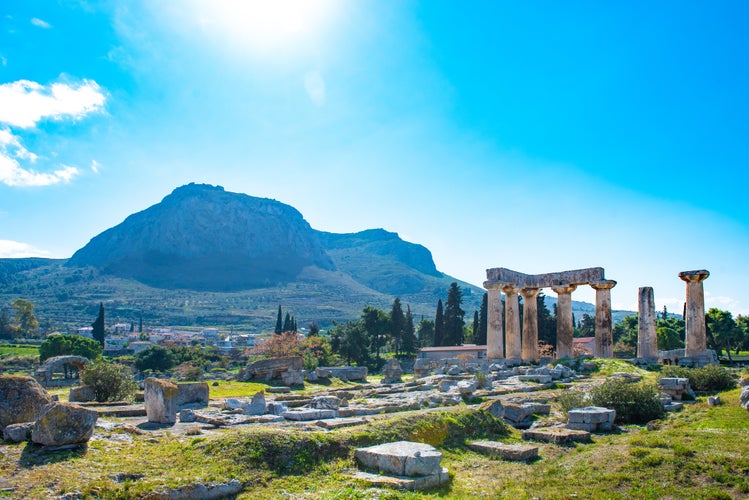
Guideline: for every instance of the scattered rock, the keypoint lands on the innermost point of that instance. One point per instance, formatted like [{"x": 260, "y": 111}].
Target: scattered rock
[
  {"x": 392, "y": 372},
  {"x": 325, "y": 403},
  {"x": 192, "y": 392},
  {"x": 677, "y": 388},
  {"x": 271, "y": 368},
  {"x": 556, "y": 435},
  {"x": 310, "y": 414},
  {"x": 401, "y": 458},
  {"x": 161, "y": 401},
  {"x": 82, "y": 394},
  {"x": 17, "y": 433},
  {"x": 516, "y": 452},
  {"x": 292, "y": 377},
  {"x": 198, "y": 491},
  {"x": 713, "y": 401},
  {"x": 591, "y": 419},
  {"x": 21, "y": 399},
  {"x": 62, "y": 424},
  {"x": 744, "y": 398}
]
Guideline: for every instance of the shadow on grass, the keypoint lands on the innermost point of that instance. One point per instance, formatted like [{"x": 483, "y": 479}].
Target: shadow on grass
[{"x": 34, "y": 455}]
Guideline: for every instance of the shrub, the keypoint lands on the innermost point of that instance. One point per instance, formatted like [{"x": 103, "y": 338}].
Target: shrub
[
  {"x": 710, "y": 378},
  {"x": 110, "y": 381},
  {"x": 634, "y": 403}
]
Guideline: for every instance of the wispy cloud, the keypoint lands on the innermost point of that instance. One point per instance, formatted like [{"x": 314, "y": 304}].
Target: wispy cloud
[
  {"x": 23, "y": 104},
  {"x": 16, "y": 250},
  {"x": 3, "y": 61},
  {"x": 40, "y": 23},
  {"x": 95, "y": 165},
  {"x": 721, "y": 302}
]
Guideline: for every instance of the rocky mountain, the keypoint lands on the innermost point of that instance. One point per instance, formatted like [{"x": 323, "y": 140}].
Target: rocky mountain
[{"x": 201, "y": 237}]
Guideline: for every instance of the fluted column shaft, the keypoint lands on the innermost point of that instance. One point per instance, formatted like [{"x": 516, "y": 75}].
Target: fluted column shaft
[
  {"x": 495, "y": 345},
  {"x": 604, "y": 347},
  {"x": 530, "y": 324},
  {"x": 565, "y": 327},
  {"x": 647, "y": 341},
  {"x": 512, "y": 321},
  {"x": 696, "y": 331}
]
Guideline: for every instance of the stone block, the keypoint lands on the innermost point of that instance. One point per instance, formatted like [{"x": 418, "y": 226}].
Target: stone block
[
  {"x": 311, "y": 414},
  {"x": 325, "y": 402},
  {"x": 677, "y": 388},
  {"x": 713, "y": 401},
  {"x": 270, "y": 368},
  {"x": 276, "y": 408},
  {"x": 292, "y": 377},
  {"x": 541, "y": 379},
  {"x": 345, "y": 372},
  {"x": 556, "y": 435},
  {"x": 22, "y": 399},
  {"x": 402, "y": 458},
  {"x": 467, "y": 387},
  {"x": 515, "y": 452},
  {"x": 82, "y": 394},
  {"x": 193, "y": 392},
  {"x": 744, "y": 398},
  {"x": 405, "y": 483},
  {"x": 591, "y": 415},
  {"x": 161, "y": 401},
  {"x": 62, "y": 424},
  {"x": 17, "y": 433},
  {"x": 187, "y": 416}
]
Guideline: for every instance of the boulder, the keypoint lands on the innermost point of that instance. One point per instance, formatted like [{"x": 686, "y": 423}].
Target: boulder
[
  {"x": 193, "y": 392},
  {"x": 257, "y": 405},
  {"x": 467, "y": 387},
  {"x": 271, "y": 368},
  {"x": 392, "y": 372},
  {"x": 62, "y": 424},
  {"x": 161, "y": 401},
  {"x": 677, "y": 388},
  {"x": 82, "y": 394},
  {"x": 325, "y": 402},
  {"x": 21, "y": 399},
  {"x": 744, "y": 399},
  {"x": 16, "y": 433}
]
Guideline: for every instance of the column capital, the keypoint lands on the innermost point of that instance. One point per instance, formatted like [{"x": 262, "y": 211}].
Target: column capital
[
  {"x": 529, "y": 292},
  {"x": 492, "y": 285},
  {"x": 510, "y": 288},
  {"x": 559, "y": 289},
  {"x": 603, "y": 284},
  {"x": 697, "y": 276}
]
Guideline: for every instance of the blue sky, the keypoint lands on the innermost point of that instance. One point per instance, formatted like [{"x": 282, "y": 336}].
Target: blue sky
[{"x": 538, "y": 136}]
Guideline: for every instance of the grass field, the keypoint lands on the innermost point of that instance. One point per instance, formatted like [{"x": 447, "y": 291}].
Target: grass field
[{"x": 19, "y": 350}]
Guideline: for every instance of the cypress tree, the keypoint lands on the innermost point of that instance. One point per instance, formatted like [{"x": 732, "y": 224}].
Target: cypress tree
[
  {"x": 439, "y": 325},
  {"x": 480, "y": 338},
  {"x": 453, "y": 327},
  {"x": 279, "y": 323},
  {"x": 98, "y": 332},
  {"x": 397, "y": 324},
  {"x": 409, "y": 333},
  {"x": 287, "y": 323},
  {"x": 475, "y": 326}
]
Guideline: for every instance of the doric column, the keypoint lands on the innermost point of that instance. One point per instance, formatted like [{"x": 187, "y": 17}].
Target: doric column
[
  {"x": 565, "y": 328},
  {"x": 530, "y": 324},
  {"x": 512, "y": 321},
  {"x": 696, "y": 342},
  {"x": 604, "y": 337},
  {"x": 495, "y": 343},
  {"x": 647, "y": 341}
]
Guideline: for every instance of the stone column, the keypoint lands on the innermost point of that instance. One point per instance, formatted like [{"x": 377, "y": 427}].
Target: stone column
[
  {"x": 604, "y": 336},
  {"x": 647, "y": 341},
  {"x": 696, "y": 342},
  {"x": 495, "y": 342},
  {"x": 512, "y": 322},
  {"x": 565, "y": 328},
  {"x": 530, "y": 324}
]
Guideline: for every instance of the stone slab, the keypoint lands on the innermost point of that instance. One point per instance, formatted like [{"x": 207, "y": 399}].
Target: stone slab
[
  {"x": 400, "y": 458},
  {"x": 516, "y": 452},
  {"x": 405, "y": 483},
  {"x": 312, "y": 414},
  {"x": 556, "y": 435},
  {"x": 340, "y": 422}
]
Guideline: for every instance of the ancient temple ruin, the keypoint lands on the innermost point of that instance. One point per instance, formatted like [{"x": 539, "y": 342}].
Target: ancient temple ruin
[{"x": 506, "y": 341}]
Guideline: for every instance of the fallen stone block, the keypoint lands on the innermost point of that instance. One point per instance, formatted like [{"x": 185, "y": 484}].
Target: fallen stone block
[
  {"x": 591, "y": 419},
  {"x": 541, "y": 379},
  {"x": 161, "y": 401},
  {"x": 311, "y": 414},
  {"x": 401, "y": 458},
  {"x": 325, "y": 402},
  {"x": 405, "y": 483},
  {"x": 192, "y": 392},
  {"x": 21, "y": 399},
  {"x": 82, "y": 394},
  {"x": 556, "y": 435},
  {"x": 341, "y": 422},
  {"x": 515, "y": 452},
  {"x": 62, "y": 424},
  {"x": 17, "y": 433}
]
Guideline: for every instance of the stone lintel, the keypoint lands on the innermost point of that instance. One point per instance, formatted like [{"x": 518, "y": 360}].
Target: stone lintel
[
  {"x": 697, "y": 275},
  {"x": 603, "y": 284},
  {"x": 502, "y": 275}
]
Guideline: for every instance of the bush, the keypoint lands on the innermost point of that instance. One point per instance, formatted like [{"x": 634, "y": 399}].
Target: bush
[
  {"x": 634, "y": 403},
  {"x": 110, "y": 381},
  {"x": 710, "y": 378}
]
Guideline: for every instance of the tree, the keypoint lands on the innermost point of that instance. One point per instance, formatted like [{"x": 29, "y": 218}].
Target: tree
[
  {"x": 110, "y": 381},
  {"x": 353, "y": 344},
  {"x": 547, "y": 322},
  {"x": 157, "y": 358},
  {"x": 376, "y": 324},
  {"x": 481, "y": 333},
  {"x": 625, "y": 332},
  {"x": 25, "y": 317},
  {"x": 287, "y": 324},
  {"x": 426, "y": 332},
  {"x": 279, "y": 323},
  {"x": 475, "y": 327},
  {"x": 98, "y": 332},
  {"x": 721, "y": 327},
  {"x": 69, "y": 345},
  {"x": 313, "y": 329},
  {"x": 453, "y": 334},
  {"x": 439, "y": 325},
  {"x": 742, "y": 323},
  {"x": 409, "y": 334},
  {"x": 668, "y": 338},
  {"x": 6, "y": 329},
  {"x": 587, "y": 326},
  {"x": 397, "y": 325}
]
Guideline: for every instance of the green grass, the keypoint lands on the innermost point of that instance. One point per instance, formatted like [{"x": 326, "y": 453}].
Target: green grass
[
  {"x": 19, "y": 350},
  {"x": 234, "y": 389}
]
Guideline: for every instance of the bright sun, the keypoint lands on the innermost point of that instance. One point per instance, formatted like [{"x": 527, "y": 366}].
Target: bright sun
[{"x": 265, "y": 25}]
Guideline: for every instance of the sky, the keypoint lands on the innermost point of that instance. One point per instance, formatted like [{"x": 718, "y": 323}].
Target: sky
[{"x": 538, "y": 136}]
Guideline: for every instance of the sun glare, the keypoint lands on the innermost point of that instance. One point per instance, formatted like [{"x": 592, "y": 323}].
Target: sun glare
[{"x": 266, "y": 25}]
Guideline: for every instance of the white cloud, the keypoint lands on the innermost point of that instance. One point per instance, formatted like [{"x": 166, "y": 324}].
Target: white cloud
[
  {"x": 14, "y": 175},
  {"x": 721, "y": 302},
  {"x": 24, "y": 103},
  {"x": 16, "y": 250},
  {"x": 95, "y": 166},
  {"x": 40, "y": 23},
  {"x": 315, "y": 87}
]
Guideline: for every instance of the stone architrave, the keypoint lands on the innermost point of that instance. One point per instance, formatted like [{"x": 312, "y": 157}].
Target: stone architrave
[
  {"x": 495, "y": 345},
  {"x": 512, "y": 322},
  {"x": 696, "y": 341},
  {"x": 565, "y": 327},
  {"x": 604, "y": 346},
  {"x": 160, "y": 397},
  {"x": 647, "y": 341},
  {"x": 530, "y": 324}
]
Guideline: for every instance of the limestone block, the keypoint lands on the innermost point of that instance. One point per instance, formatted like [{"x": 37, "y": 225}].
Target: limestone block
[
  {"x": 276, "y": 408},
  {"x": 516, "y": 452},
  {"x": 446, "y": 385},
  {"x": 292, "y": 377},
  {"x": 591, "y": 415},
  {"x": 346, "y": 372},
  {"x": 556, "y": 435},
  {"x": 325, "y": 402},
  {"x": 677, "y": 388},
  {"x": 323, "y": 372},
  {"x": 404, "y": 483},
  {"x": 311, "y": 414},
  {"x": 161, "y": 401},
  {"x": 541, "y": 379},
  {"x": 16, "y": 433},
  {"x": 187, "y": 416},
  {"x": 713, "y": 401},
  {"x": 516, "y": 413},
  {"x": 494, "y": 407},
  {"x": 62, "y": 424},
  {"x": 21, "y": 399},
  {"x": 402, "y": 458},
  {"x": 467, "y": 387},
  {"x": 392, "y": 372},
  {"x": 454, "y": 370},
  {"x": 81, "y": 394},
  {"x": 192, "y": 392},
  {"x": 744, "y": 398},
  {"x": 311, "y": 376},
  {"x": 270, "y": 368}
]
